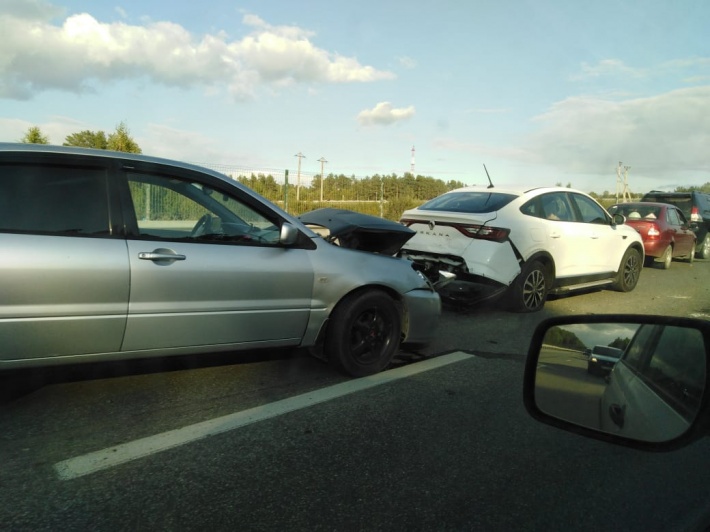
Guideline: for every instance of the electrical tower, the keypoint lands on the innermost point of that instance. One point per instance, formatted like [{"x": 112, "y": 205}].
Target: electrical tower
[{"x": 622, "y": 184}]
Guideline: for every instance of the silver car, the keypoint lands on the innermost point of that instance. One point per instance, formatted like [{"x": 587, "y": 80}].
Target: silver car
[{"x": 107, "y": 255}]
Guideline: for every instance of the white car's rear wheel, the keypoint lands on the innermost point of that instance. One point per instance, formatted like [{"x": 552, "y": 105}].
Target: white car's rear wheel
[{"x": 529, "y": 290}]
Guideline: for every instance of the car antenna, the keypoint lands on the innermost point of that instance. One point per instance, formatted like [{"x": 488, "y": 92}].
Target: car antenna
[{"x": 489, "y": 177}]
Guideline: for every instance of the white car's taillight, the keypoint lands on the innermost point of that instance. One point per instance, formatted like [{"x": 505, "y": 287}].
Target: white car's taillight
[{"x": 483, "y": 232}]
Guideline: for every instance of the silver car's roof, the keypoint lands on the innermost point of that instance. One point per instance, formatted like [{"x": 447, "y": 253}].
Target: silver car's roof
[{"x": 15, "y": 147}]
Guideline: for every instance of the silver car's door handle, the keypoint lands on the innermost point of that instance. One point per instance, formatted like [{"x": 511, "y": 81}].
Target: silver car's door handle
[{"x": 160, "y": 254}]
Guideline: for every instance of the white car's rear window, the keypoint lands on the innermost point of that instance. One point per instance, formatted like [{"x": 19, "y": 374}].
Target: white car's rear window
[{"x": 471, "y": 202}]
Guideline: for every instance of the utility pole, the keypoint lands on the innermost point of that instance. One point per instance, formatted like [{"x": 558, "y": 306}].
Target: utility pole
[
  {"x": 298, "y": 179},
  {"x": 382, "y": 198},
  {"x": 322, "y": 161},
  {"x": 286, "y": 190}
]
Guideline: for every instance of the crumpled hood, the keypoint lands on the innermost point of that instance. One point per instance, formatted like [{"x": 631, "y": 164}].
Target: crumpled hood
[{"x": 355, "y": 230}]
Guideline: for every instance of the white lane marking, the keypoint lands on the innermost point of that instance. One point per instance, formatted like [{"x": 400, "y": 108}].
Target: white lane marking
[{"x": 126, "y": 452}]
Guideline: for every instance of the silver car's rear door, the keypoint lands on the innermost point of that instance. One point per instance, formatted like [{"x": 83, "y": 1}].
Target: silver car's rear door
[{"x": 63, "y": 275}]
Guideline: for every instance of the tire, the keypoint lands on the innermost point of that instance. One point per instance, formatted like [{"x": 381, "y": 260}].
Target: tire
[
  {"x": 704, "y": 252},
  {"x": 665, "y": 260},
  {"x": 629, "y": 271},
  {"x": 529, "y": 290},
  {"x": 364, "y": 333}
]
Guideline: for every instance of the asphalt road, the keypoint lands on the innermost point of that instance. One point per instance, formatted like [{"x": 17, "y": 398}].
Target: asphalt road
[{"x": 287, "y": 443}]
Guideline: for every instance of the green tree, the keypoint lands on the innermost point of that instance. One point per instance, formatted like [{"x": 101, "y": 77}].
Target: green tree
[
  {"x": 87, "y": 139},
  {"x": 620, "y": 343},
  {"x": 121, "y": 140},
  {"x": 702, "y": 188},
  {"x": 34, "y": 135},
  {"x": 564, "y": 338}
]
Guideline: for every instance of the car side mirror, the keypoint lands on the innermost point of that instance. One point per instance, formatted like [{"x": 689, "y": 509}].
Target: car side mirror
[
  {"x": 633, "y": 380},
  {"x": 618, "y": 219},
  {"x": 288, "y": 234}
]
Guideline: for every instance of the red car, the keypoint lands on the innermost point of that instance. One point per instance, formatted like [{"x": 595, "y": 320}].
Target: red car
[{"x": 664, "y": 229}]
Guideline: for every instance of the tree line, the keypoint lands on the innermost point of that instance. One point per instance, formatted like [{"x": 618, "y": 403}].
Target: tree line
[
  {"x": 399, "y": 191},
  {"x": 119, "y": 140}
]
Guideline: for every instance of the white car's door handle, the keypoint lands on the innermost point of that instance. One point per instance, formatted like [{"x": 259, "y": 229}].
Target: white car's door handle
[{"x": 555, "y": 234}]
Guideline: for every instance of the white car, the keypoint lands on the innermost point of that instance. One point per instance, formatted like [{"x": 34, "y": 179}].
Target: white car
[{"x": 524, "y": 243}]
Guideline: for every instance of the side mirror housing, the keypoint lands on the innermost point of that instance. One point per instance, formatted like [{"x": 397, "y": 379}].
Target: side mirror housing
[
  {"x": 618, "y": 219},
  {"x": 288, "y": 235},
  {"x": 634, "y": 380}
]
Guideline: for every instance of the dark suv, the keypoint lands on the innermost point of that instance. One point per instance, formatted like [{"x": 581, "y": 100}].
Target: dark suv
[{"x": 696, "y": 207}]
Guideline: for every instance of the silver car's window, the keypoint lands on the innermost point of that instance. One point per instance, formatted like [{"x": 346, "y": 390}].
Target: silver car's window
[
  {"x": 637, "y": 352},
  {"x": 48, "y": 199},
  {"x": 167, "y": 208}
]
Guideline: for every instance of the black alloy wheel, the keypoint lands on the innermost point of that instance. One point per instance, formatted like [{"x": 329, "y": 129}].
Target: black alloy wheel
[{"x": 364, "y": 333}]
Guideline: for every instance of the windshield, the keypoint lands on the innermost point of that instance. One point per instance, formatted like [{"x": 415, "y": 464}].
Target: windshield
[
  {"x": 684, "y": 203},
  {"x": 637, "y": 211},
  {"x": 612, "y": 352}
]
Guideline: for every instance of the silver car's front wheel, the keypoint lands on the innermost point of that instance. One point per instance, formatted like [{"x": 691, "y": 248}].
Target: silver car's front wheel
[{"x": 364, "y": 333}]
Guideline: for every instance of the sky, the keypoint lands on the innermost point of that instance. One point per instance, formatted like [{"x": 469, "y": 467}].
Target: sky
[{"x": 540, "y": 91}]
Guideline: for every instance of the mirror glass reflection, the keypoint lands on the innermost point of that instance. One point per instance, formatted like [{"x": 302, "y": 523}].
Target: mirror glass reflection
[{"x": 640, "y": 381}]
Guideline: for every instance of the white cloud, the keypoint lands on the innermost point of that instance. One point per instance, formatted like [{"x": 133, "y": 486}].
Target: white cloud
[
  {"x": 38, "y": 55},
  {"x": 172, "y": 143},
  {"x": 608, "y": 68},
  {"x": 407, "y": 62},
  {"x": 689, "y": 70},
  {"x": 383, "y": 114},
  {"x": 489, "y": 111},
  {"x": 661, "y": 135}
]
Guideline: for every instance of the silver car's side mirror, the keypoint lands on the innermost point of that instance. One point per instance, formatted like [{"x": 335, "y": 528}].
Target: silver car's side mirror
[
  {"x": 288, "y": 235},
  {"x": 635, "y": 380}
]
